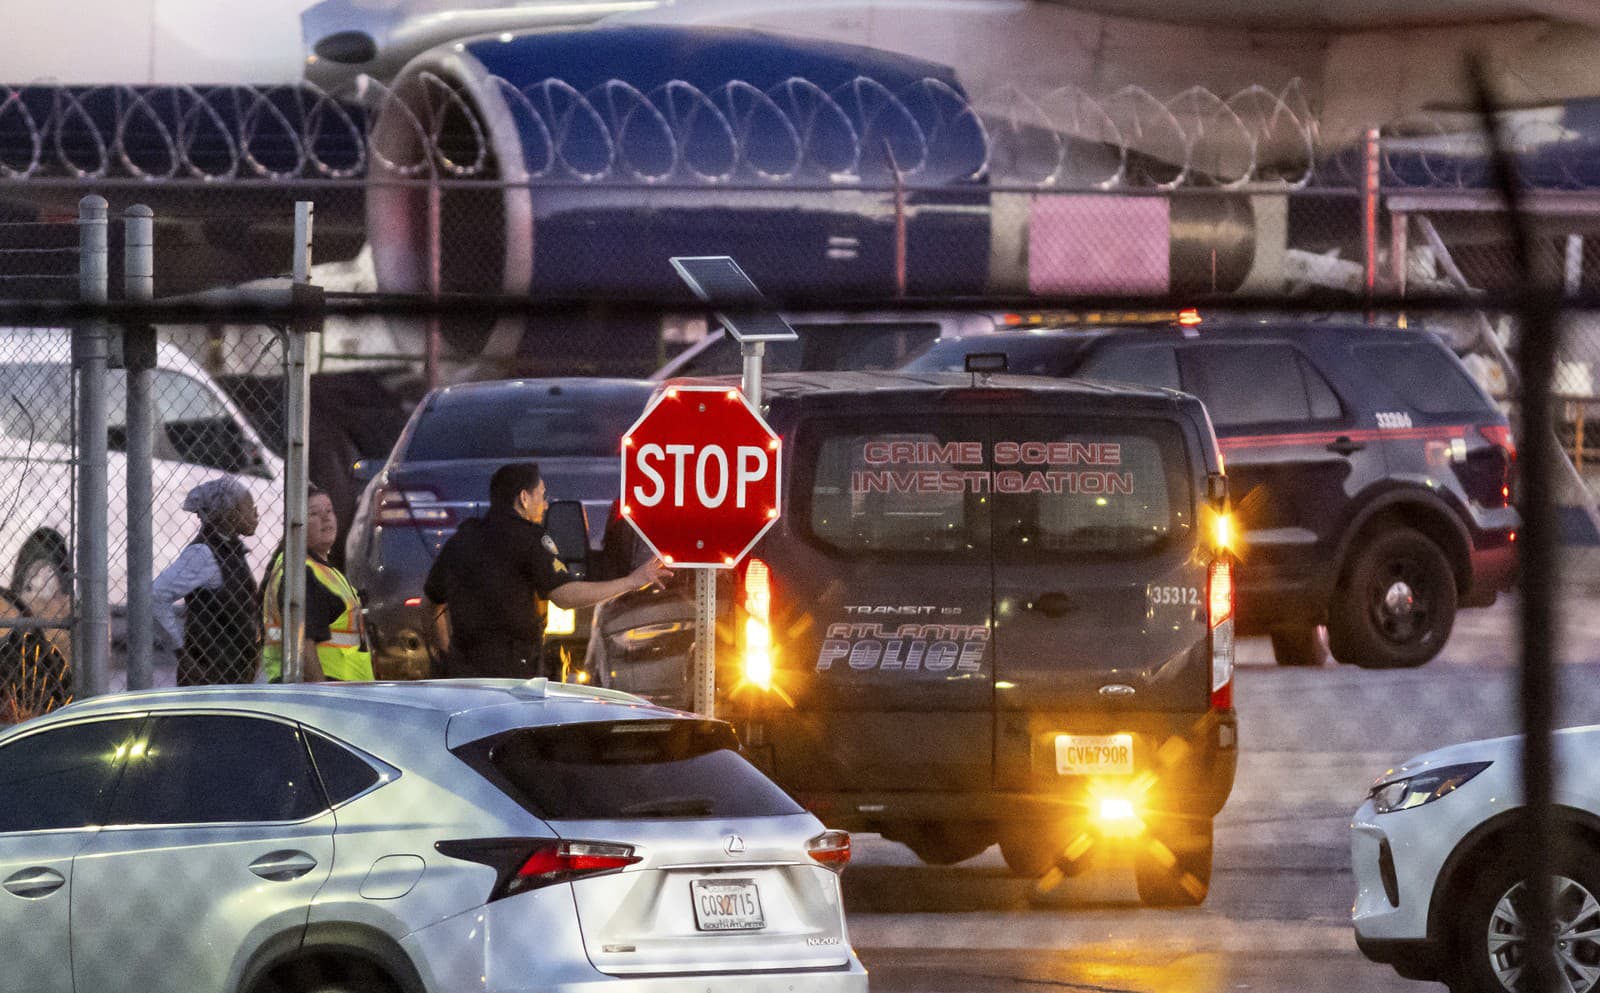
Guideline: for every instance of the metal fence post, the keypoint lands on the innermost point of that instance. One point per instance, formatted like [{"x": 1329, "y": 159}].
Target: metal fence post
[
  {"x": 297, "y": 425},
  {"x": 430, "y": 363},
  {"x": 139, "y": 359},
  {"x": 1540, "y": 559},
  {"x": 1370, "y": 199},
  {"x": 92, "y": 642}
]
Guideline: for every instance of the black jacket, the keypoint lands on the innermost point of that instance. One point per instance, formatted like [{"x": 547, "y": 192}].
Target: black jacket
[
  {"x": 492, "y": 573},
  {"x": 220, "y": 636}
]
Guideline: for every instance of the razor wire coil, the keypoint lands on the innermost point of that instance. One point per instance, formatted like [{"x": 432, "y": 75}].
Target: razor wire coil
[{"x": 428, "y": 126}]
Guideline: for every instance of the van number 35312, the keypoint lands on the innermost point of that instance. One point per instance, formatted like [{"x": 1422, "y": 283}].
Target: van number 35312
[{"x": 1180, "y": 596}]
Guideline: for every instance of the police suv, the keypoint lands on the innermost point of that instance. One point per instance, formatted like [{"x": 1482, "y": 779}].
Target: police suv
[
  {"x": 1372, "y": 477},
  {"x": 995, "y": 609}
]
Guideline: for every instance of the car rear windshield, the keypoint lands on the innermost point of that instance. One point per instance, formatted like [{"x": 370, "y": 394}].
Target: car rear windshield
[
  {"x": 1025, "y": 486},
  {"x": 634, "y": 769},
  {"x": 1426, "y": 376},
  {"x": 503, "y": 425}
]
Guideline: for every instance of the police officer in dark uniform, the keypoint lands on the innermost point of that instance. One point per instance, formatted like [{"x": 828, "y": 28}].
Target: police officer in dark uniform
[{"x": 494, "y": 571}]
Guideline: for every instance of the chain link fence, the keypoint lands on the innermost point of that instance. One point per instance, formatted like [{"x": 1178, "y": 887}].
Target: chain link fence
[
  {"x": 200, "y": 433},
  {"x": 38, "y": 450},
  {"x": 893, "y": 193},
  {"x": 887, "y": 188}
]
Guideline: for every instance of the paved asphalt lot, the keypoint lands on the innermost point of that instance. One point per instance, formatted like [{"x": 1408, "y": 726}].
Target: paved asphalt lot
[{"x": 1277, "y": 917}]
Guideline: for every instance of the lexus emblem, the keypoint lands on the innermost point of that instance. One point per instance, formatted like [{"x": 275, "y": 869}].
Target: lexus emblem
[
  {"x": 1117, "y": 690},
  {"x": 734, "y": 845}
]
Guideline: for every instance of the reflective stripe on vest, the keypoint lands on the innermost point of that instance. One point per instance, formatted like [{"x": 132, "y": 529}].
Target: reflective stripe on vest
[
  {"x": 337, "y": 638},
  {"x": 341, "y": 656}
]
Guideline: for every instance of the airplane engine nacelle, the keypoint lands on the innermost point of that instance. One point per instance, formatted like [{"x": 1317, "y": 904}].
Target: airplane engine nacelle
[{"x": 576, "y": 163}]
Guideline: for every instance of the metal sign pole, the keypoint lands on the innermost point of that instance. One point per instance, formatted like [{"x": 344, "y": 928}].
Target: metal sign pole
[
  {"x": 705, "y": 642},
  {"x": 719, "y": 281}
]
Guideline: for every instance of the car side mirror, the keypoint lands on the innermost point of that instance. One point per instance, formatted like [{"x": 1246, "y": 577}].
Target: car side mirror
[
  {"x": 568, "y": 525},
  {"x": 365, "y": 470},
  {"x": 1217, "y": 490},
  {"x": 256, "y": 462}
]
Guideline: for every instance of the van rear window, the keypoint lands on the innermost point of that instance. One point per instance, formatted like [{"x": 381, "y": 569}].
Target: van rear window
[
  {"x": 632, "y": 769},
  {"x": 1025, "y": 486}
]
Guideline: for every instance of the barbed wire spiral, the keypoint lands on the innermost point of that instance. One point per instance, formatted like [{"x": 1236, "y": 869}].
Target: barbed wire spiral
[{"x": 677, "y": 134}]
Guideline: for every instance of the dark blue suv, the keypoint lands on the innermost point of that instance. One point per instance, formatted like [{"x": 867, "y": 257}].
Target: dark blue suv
[
  {"x": 438, "y": 475},
  {"x": 1371, "y": 476}
]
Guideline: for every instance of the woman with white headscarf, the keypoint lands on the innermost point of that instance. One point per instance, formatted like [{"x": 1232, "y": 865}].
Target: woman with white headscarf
[{"x": 219, "y": 638}]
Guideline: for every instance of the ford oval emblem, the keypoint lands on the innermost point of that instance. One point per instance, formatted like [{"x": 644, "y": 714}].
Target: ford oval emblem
[
  {"x": 1117, "y": 690},
  {"x": 734, "y": 845}
]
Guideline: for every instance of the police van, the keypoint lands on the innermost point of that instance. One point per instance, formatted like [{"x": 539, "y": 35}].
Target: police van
[{"x": 995, "y": 609}]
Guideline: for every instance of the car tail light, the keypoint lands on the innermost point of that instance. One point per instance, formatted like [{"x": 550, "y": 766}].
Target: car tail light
[
  {"x": 831, "y": 848},
  {"x": 1219, "y": 598},
  {"x": 416, "y": 508},
  {"x": 561, "y": 861},
  {"x": 528, "y": 864},
  {"x": 757, "y": 596}
]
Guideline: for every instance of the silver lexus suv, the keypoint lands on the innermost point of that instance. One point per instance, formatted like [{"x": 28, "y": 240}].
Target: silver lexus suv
[{"x": 464, "y": 835}]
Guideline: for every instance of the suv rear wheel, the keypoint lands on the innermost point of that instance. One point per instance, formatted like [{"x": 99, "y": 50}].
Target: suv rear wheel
[
  {"x": 1396, "y": 605},
  {"x": 1300, "y": 644}
]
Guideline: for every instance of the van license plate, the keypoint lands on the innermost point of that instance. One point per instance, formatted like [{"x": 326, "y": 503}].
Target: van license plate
[
  {"x": 1094, "y": 754},
  {"x": 726, "y": 905}
]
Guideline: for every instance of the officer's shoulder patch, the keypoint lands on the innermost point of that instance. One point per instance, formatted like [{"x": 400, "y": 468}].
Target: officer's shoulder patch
[{"x": 549, "y": 544}]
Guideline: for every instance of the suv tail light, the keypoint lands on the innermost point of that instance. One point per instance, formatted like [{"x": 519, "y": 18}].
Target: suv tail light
[
  {"x": 1219, "y": 599},
  {"x": 529, "y": 863},
  {"x": 831, "y": 848},
  {"x": 414, "y": 508},
  {"x": 1500, "y": 436},
  {"x": 756, "y": 595}
]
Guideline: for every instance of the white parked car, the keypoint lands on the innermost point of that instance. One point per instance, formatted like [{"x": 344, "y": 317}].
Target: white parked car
[
  {"x": 424, "y": 837},
  {"x": 200, "y": 434},
  {"x": 1436, "y": 853}
]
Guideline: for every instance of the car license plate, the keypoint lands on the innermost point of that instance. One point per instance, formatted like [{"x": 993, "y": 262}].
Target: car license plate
[
  {"x": 726, "y": 905},
  {"x": 1094, "y": 754}
]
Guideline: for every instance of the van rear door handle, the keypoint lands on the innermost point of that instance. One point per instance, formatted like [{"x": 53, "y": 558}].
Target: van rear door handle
[
  {"x": 1053, "y": 604},
  {"x": 1345, "y": 445}
]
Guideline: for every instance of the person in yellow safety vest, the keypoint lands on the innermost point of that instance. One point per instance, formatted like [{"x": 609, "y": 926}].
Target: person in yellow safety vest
[{"x": 335, "y": 645}]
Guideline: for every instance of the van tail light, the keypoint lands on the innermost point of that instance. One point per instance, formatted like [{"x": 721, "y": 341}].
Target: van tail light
[
  {"x": 756, "y": 594},
  {"x": 831, "y": 848},
  {"x": 524, "y": 864},
  {"x": 1219, "y": 598},
  {"x": 414, "y": 508}
]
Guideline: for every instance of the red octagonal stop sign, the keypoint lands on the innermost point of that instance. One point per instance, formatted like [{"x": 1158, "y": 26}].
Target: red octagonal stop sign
[{"x": 700, "y": 476}]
